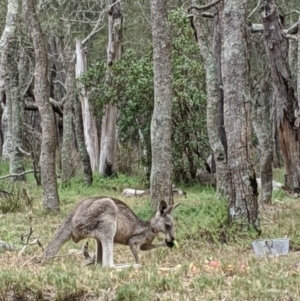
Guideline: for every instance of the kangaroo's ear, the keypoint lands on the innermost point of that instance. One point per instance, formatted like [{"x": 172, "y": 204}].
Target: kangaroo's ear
[{"x": 162, "y": 207}]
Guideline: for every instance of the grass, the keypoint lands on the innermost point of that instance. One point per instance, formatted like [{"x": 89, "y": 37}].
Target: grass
[{"x": 186, "y": 273}]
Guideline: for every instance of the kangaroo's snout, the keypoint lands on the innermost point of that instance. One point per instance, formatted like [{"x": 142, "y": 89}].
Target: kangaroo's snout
[{"x": 170, "y": 243}]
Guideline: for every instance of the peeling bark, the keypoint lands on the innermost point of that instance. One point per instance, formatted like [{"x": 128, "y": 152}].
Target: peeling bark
[
  {"x": 42, "y": 94},
  {"x": 89, "y": 121},
  {"x": 161, "y": 169},
  {"x": 243, "y": 206},
  {"x": 276, "y": 45}
]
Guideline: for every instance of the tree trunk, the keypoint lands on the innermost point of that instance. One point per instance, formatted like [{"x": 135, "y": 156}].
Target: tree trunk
[
  {"x": 262, "y": 124},
  {"x": 293, "y": 53},
  {"x": 108, "y": 149},
  {"x": 161, "y": 169},
  {"x": 42, "y": 94},
  {"x": 7, "y": 41},
  {"x": 14, "y": 97},
  {"x": 79, "y": 132},
  {"x": 243, "y": 207},
  {"x": 298, "y": 73},
  {"x": 69, "y": 65},
  {"x": 89, "y": 121},
  {"x": 276, "y": 45},
  {"x": 214, "y": 109}
]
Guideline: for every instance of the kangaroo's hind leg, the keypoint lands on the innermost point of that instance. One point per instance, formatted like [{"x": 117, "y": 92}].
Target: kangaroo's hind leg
[{"x": 106, "y": 236}]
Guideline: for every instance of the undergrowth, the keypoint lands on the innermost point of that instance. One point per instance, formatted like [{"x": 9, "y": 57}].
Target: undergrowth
[{"x": 186, "y": 273}]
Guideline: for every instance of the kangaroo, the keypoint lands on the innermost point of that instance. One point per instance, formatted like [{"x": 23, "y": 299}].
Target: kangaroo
[{"x": 109, "y": 220}]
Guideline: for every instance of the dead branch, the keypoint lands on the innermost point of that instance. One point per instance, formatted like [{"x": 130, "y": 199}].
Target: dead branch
[
  {"x": 204, "y": 7},
  {"x": 17, "y": 175},
  {"x": 293, "y": 29},
  {"x": 26, "y": 235},
  {"x": 255, "y": 9}
]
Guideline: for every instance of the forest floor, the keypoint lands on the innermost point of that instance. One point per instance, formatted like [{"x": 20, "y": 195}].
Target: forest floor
[{"x": 213, "y": 261}]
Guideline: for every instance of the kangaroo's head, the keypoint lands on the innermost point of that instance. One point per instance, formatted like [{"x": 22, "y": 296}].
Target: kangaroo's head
[{"x": 163, "y": 222}]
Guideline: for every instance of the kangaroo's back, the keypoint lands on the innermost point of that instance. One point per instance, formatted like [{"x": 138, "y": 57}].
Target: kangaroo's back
[{"x": 128, "y": 223}]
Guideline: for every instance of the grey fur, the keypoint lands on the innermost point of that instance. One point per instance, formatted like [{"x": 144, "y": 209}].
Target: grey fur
[{"x": 109, "y": 220}]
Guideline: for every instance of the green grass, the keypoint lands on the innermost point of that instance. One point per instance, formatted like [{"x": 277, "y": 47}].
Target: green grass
[{"x": 178, "y": 274}]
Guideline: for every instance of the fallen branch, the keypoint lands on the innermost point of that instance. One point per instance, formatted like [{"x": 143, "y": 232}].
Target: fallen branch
[{"x": 17, "y": 175}]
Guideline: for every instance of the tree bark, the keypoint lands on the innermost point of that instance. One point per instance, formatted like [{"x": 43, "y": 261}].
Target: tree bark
[
  {"x": 243, "y": 206},
  {"x": 89, "y": 121},
  {"x": 276, "y": 45},
  {"x": 42, "y": 94},
  {"x": 108, "y": 149},
  {"x": 66, "y": 150},
  {"x": 7, "y": 40},
  {"x": 262, "y": 124},
  {"x": 79, "y": 132},
  {"x": 161, "y": 169},
  {"x": 298, "y": 73},
  {"x": 214, "y": 110}
]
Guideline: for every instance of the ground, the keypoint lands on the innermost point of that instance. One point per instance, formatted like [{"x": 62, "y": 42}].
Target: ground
[{"x": 213, "y": 261}]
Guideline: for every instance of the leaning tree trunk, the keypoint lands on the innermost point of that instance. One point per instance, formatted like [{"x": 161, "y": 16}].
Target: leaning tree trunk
[
  {"x": 214, "y": 109},
  {"x": 276, "y": 45},
  {"x": 89, "y": 121},
  {"x": 108, "y": 149},
  {"x": 161, "y": 169},
  {"x": 243, "y": 206},
  {"x": 42, "y": 94},
  {"x": 262, "y": 125}
]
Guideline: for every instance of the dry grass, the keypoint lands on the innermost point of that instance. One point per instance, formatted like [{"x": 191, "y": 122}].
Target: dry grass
[{"x": 180, "y": 274}]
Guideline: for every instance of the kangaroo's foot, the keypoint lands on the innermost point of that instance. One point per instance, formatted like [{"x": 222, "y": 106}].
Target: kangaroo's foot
[{"x": 126, "y": 266}]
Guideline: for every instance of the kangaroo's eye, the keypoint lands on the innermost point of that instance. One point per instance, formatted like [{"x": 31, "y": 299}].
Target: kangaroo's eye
[{"x": 168, "y": 226}]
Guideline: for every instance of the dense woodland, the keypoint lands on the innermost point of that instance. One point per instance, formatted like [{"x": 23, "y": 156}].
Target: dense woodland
[{"x": 171, "y": 91}]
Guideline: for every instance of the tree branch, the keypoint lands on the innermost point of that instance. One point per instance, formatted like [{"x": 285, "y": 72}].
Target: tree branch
[
  {"x": 56, "y": 106},
  {"x": 255, "y": 9},
  {"x": 17, "y": 175},
  {"x": 204, "y": 7}
]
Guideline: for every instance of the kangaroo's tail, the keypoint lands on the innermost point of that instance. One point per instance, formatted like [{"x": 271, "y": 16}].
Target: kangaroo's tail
[{"x": 63, "y": 234}]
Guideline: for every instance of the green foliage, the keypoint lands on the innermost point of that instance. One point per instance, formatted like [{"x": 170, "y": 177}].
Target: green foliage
[{"x": 129, "y": 84}]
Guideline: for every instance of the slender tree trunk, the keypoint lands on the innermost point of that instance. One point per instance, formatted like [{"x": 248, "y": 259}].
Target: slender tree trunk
[
  {"x": 276, "y": 45},
  {"x": 243, "y": 206},
  {"x": 161, "y": 169},
  {"x": 42, "y": 94},
  {"x": 293, "y": 54},
  {"x": 79, "y": 132},
  {"x": 108, "y": 149},
  {"x": 262, "y": 125},
  {"x": 214, "y": 109},
  {"x": 69, "y": 64},
  {"x": 89, "y": 121},
  {"x": 8, "y": 40},
  {"x": 14, "y": 97}
]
